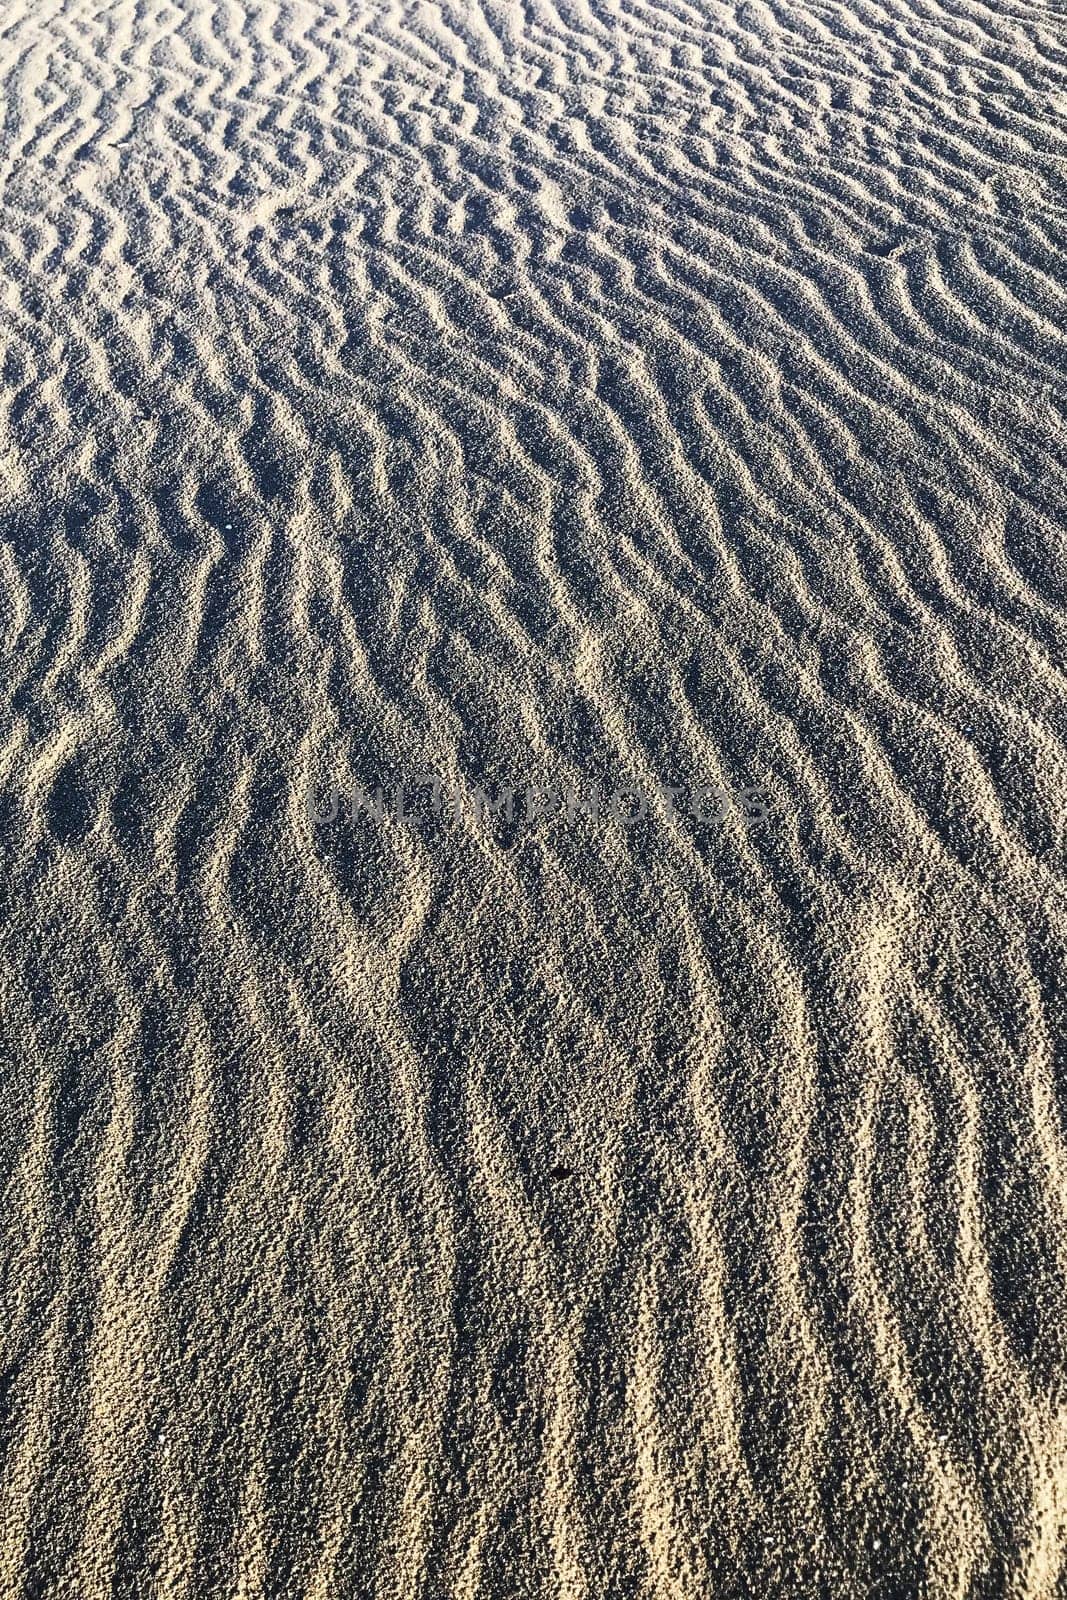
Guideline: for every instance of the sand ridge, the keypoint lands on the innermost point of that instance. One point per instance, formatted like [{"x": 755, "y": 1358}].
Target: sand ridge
[{"x": 589, "y": 394}]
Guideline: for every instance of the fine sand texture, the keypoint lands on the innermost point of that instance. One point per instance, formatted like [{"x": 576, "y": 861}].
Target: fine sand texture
[{"x": 583, "y": 1204}]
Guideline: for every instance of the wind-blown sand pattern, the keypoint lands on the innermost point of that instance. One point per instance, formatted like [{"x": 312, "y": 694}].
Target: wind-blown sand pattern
[{"x": 612, "y": 391}]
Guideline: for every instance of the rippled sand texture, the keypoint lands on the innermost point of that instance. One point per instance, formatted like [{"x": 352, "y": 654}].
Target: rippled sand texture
[{"x": 617, "y": 389}]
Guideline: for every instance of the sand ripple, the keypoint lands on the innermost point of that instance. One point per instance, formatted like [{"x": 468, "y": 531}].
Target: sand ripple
[{"x": 594, "y": 393}]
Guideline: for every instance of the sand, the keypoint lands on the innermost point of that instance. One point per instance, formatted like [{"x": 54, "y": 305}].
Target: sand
[{"x": 612, "y": 394}]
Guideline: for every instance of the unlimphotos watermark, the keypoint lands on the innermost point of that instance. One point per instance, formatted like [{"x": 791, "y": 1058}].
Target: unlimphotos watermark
[{"x": 426, "y": 794}]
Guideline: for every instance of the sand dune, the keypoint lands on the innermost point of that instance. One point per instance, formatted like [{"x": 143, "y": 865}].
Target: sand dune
[{"x": 587, "y": 395}]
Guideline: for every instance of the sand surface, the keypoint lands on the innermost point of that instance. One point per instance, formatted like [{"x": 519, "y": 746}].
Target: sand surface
[{"x": 572, "y": 392}]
